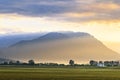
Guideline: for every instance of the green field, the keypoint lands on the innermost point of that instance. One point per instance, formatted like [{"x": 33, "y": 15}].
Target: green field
[{"x": 28, "y": 73}]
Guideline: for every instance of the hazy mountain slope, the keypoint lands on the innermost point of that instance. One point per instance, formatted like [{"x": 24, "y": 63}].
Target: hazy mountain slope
[
  {"x": 47, "y": 37},
  {"x": 59, "y": 47},
  {"x": 7, "y": 40},
  {"x": 51, "y": 37}
]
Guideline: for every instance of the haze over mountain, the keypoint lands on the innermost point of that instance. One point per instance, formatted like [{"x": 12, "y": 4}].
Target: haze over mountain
[
  {"x": 52, "y": 36},
  {"x": 61, "y": 47},
  {"x": 7, "y": 40}
]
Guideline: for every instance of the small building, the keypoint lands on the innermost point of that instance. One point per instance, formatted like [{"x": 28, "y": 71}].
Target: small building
[{"x": 101, "y": 64}]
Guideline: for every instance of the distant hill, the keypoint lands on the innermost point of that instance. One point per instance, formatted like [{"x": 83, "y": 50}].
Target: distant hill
[
  {"x": 61, "y": 47},
  {"x": 51, "y": 37},
  {"x": 7, "y": 40}
]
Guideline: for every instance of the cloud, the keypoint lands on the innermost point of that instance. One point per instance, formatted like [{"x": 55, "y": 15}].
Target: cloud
[
  {"x": 14, "y": 23},
  {"x": 34, "y": 7},
  {"x": 70, "y": 10}
]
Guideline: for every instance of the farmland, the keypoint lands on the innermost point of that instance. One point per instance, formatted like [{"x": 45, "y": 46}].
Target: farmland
[{"x": 36, "y": 73}]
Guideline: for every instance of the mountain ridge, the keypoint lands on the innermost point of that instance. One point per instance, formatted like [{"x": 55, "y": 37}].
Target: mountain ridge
[
  {"x": 61, "y": 48},
  {"x": 54, "y": 36},
  {"x": 8, "y": 40}
]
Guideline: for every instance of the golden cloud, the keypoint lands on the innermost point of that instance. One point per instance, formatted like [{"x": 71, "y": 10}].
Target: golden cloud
[
  {"x": 18, "y": 23},
  {"x": 80, "y": 15},
  {"x": 105, "y": 6}
]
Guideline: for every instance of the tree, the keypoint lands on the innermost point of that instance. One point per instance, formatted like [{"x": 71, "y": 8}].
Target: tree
[
  {"x": 11, "y": 62},
  {"x": 61, "y": 64},
  {"x": 17, "y": 62},
  {"x": 31, "y": 62},
  {"x": 71, "y": 62},
  {"x": 5, "y": 63},
  {"x": 93, "y": 63}
]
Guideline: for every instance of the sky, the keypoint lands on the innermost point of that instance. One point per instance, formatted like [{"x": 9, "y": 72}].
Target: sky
[{"x": 100, "y": 18}]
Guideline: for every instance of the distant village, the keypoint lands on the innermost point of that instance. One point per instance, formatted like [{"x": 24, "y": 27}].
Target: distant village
[
  {"x": 70, "y": 63},
  {"x": 104, "y": 63}
]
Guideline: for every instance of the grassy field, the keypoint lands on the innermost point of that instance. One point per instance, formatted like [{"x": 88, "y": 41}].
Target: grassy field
[{"x": 21, "y": 73}]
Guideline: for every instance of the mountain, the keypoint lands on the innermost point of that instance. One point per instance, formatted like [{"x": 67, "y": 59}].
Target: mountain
[
  {"x": 3, "y": 58},
  {"x": 61, "y": 47},
  {"x": 7, "y": 40},
  {"x": 51, "y": 37},
  {"x": 47, "y": 37}
]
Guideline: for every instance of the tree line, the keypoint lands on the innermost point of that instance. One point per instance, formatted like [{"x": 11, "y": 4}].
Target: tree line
[
  {"x": 70, "y": 63},
  {"x": 32, "y": 62}
]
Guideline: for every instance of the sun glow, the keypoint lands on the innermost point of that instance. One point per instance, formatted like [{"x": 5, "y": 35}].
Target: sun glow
[{"x": 16, "y": 23}]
